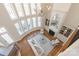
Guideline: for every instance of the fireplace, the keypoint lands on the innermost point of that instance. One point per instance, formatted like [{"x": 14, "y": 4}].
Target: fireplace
[{"x": 51, "y": 32}]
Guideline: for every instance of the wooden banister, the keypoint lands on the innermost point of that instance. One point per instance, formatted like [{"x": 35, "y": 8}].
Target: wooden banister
[{"x": 68, "y": 41}]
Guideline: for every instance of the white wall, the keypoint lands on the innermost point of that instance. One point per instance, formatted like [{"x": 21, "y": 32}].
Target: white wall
[
  {"x": 64, "y": 7},
  {"x": 72, "y": 19}
]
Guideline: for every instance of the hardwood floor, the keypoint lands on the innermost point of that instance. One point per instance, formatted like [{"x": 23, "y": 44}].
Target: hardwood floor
[
  {"x": 26, "y": 50},
  {"x": 55, "y": 50}
]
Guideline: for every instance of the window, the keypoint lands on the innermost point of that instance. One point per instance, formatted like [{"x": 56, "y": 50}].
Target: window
[
  {"x": 33, "y": 9},
  {"x": 34, "y": 22},
  {"x": 7, "y": 38},
  {"x": 24, "y": 24},
  {"x": 19, "y": 9},
  {"x": 39, "y": 21},
  {"x": 29, "y": 23},
  {"x": 4, "y": 34},
  {"x": 38, "y": 8},
  {"x": 11, "y": 11},
  {"x": 19, "y": 28},
  {"x": 27, "y": 9}
]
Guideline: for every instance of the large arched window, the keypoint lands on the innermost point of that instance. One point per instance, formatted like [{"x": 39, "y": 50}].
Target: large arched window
[{"x": 26, "y": 16}]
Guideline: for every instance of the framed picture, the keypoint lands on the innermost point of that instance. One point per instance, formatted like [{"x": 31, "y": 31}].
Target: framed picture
[{"x": 47, "y": 22}]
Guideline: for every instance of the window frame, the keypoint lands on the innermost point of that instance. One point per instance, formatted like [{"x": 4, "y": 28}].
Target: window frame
[{"x": 5, "y": 35}]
